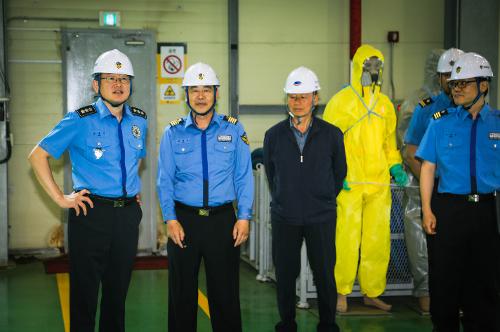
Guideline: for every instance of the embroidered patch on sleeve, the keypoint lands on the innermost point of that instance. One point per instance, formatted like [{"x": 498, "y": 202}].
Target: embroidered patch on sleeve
[{"x": 244, "y": 138}]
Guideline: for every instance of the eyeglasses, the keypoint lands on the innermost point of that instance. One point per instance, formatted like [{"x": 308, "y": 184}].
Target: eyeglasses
[
  {"x": 459, "y": 84},
  {"x": 113, "y": 80}
]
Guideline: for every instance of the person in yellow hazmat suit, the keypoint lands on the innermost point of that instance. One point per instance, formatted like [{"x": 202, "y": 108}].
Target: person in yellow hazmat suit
[{"x": 368, "y": 120}]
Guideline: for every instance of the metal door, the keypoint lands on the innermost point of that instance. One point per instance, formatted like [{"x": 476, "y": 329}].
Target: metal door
[{"x": 80, "y": 48}]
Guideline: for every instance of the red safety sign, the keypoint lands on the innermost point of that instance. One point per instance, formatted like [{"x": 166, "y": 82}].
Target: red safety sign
[{"x": 172, "y": 64}]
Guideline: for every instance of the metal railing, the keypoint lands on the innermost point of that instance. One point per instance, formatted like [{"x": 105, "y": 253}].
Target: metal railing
[{"x": 257, "y": 250}]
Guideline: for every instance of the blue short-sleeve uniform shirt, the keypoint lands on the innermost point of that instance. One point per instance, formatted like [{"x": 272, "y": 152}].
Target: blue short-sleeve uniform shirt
[
  {"x": 466, "y": 151},
  {"x": 205, "y": 168},
  {"x": 104, "y": 153}
]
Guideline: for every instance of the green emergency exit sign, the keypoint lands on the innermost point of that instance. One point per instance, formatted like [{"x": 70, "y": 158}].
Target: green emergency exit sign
[{"x": 109, "y": 19}]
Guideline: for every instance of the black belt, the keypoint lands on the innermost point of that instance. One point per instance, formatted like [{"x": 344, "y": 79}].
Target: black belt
[
  {"x": 114, "y": 202},
  {"x": 204, "y": 211},
  {"x": 472, "y": 198}
]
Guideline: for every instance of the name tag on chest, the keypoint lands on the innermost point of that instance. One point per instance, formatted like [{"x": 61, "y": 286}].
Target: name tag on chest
[
  {"x": 224, "y": 138},
  {"x": 495, "y": 136}
]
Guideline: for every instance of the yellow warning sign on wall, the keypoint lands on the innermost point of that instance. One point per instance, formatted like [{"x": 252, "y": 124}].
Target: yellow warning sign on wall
[{"x": 170, "y": 93}]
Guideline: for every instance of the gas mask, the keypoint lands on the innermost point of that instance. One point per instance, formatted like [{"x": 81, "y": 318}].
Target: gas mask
[{"x": 372, "y": 72}]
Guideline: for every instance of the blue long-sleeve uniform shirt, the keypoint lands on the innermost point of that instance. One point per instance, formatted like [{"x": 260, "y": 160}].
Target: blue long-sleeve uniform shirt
[
  {"x": 104, "y": 153},
  {"x": 466, "y": 151},
  {"x": 205, "y": 168},
  {"x": 422, "y": 116}
]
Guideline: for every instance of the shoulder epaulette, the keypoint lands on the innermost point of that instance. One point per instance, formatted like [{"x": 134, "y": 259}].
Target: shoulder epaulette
[
  {"x": 230, "y": 119},
  {"x": 439, "y": 114},
  {"x": 86, "y": 111},
  {"x": 138, "y": 112},
  {"x": 426, "y": 102},
  {"x": 176, "y": 122}
]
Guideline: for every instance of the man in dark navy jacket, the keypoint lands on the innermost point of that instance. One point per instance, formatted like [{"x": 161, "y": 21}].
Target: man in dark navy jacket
[{"x": 304, "y": 158}]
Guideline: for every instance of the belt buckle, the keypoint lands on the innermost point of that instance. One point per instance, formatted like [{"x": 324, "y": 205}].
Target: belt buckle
[
  {"x": 204, "y": 212},
  {"x": 474, "y": 198},
  {"x": 119, "y": 203}
]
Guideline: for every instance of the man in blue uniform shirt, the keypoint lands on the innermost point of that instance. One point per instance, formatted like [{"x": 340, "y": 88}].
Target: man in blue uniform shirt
[
  {"x": 203, "y": 167},
  {"x": 106, "y": 141},
  {"x": 460, "y": 221},
  {"x": 414, "y": 235},
  {"x": 305, "y": 164},
  {"x": 427, "y": 107}
]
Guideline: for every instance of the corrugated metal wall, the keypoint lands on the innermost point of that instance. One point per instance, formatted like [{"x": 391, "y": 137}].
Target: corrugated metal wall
[{"x": 275, "y": 37}]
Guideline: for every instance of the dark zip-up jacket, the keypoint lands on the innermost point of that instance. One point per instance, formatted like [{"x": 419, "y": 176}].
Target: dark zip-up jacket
[{"x": 304, "y": 186}]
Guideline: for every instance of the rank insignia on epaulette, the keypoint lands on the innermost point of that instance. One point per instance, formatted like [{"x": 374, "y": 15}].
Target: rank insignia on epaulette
[
  {"x": 176, "y": 122},
  {"x": 138, "y": 112},
  {"x": 86, "y": 111},
  {"x": 230, "y": 119},
  {"x": 426, "y": 102},
  {"x": 439, "y": 114},
  {"x": 244, "y": 138}
]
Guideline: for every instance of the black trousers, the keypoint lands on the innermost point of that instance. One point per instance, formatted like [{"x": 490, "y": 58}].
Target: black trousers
[
  {"x": 463, "y": 258},
  {"x": 102, "y": 249},
  {"x": 209, "y": 238},
  {"x": 320, "y": 242},
  {"x": 497, "y": 200}
]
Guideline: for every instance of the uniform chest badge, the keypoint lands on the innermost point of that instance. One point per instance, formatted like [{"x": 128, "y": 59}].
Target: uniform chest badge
[
  {"x": 495, "y": 136},
  {"x": 136, "y": 131},
  {"x": 98, "y": 152},
  {"x": 224, "y": 138}
]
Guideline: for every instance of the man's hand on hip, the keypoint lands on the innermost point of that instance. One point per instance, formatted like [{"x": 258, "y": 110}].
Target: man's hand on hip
[{"x": 76, "y": 200}]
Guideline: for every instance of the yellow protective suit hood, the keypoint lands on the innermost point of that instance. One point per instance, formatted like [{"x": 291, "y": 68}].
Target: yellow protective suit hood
[{"x": 363, "y": 53}]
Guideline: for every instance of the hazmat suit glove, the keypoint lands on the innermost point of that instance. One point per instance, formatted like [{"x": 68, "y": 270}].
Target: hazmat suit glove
[
  {"x": 345, "y": 185},
  {"x": 399, "y": 175}
]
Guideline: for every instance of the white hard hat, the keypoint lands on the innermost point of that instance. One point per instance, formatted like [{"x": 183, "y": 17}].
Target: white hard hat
[
  {"x": 113, "y": 62},
  {"x": 200, "y": 74},
  {"x": 302, "y": 80},
  {"x": 470, "y": 65},
  {"x": 448, "y": 59}
]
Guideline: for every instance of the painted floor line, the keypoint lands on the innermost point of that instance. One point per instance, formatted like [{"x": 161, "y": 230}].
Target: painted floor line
[
  {"x": 63, "y": 287},
  {"x": 203, "y": 303}
]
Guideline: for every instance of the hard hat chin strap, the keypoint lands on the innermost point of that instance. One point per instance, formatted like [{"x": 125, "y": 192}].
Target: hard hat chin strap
[
  {"x": 299, "y": 117},
  {"x": 113, "y": 104},
  {"x": 479, "y": 94},
  {"x": 212, "y": 108}
]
